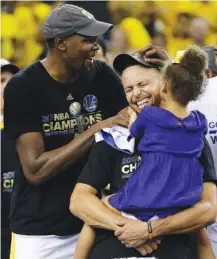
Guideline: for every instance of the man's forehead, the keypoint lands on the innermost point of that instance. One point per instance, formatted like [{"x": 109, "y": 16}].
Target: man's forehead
[
  {"x": 134, "y": 76},
  {"x": 139, "y": 71}
]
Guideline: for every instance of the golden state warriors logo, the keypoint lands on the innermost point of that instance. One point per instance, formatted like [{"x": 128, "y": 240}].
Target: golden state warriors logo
[
  {"x": 74, "y": 108},
  {"x": 87, "y": 14},
  {"x": 90, "y": 103}
]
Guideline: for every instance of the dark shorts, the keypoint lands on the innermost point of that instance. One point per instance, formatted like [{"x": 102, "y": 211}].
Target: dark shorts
[{"x": 171, "y": 247}]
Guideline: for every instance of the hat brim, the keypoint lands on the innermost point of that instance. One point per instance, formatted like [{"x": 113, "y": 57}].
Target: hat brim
[
  {"x": 11, "y": 68},
  {"x": 122, "y": 61},
  {"x": 95, "y": 29},
  {"x": 211, "y": 57}
]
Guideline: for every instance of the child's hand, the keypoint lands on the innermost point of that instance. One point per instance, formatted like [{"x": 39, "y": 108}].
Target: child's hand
[
  {"x": 148, "y": 247},
  {"x": 133, "y": 117}
]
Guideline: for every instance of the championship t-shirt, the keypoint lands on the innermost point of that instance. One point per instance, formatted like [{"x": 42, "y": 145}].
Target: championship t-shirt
[
  {"x": 35, "y": 102},
  {"x": 208, "y": 105}
]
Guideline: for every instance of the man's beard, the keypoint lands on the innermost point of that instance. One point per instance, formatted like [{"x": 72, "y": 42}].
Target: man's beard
[{"x": 156, "y": 100}]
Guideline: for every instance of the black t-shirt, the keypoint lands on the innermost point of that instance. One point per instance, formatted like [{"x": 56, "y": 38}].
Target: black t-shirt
[
  {"x": 35, "y": 102},
  {"x": 9, "y": 166},
  {"x": 107, "y": 165}
]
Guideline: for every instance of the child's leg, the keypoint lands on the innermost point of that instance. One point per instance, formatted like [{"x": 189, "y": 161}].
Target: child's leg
[
  {"x": 85, "y": 242},
  {"x": 87, "y": 236},
  {"x": 204, "y": 249},
  {"x": 106, "y": 202}
]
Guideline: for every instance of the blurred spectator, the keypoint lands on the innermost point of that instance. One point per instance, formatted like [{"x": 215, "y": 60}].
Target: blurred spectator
[
  {"x": 98, "y": 9},
  {"x": 102, "y": 52},
  {"x": 118, "y": 43},
  {"x": 136, "y": 34},
  {"x": 206, "y": 9},
  {"x": 147, "y": 13},
  {"x": 7, "y": 71},
  {"x": 35, "y": 13},
  {"x": 212, "y": 67},
  {"x": 8, "y": 6},
  {"x": 8, "y": 35},
  {"x": 179, "y": 37},
  {"x": 9, "y": 165},
  {"x": 215, "y": 52},
  {"x": 40, "y": 40},
  {"x": 20, "y": 29},
  {"x": 199, "y": 32},
  {"x": 119, "y": 10},
  {"x": 159, "y": 39},
  {"x": 181, "y": 28}
]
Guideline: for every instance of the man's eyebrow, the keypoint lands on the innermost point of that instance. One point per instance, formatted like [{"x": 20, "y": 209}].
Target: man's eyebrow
[
  {"x": 144, "y": 81},
  {"x": 128, "y": 86},
  {"x": 139, "y": 83}
]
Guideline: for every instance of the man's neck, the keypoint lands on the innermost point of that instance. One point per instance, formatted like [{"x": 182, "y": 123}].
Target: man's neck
[{"x": 58, "y": 70}]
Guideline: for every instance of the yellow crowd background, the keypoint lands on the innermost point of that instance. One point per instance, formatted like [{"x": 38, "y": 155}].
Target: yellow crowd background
[{"x": 171, "y": 24}]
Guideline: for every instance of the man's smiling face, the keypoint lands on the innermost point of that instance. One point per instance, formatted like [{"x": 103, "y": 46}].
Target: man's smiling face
[{"x": 142, "y": 86}]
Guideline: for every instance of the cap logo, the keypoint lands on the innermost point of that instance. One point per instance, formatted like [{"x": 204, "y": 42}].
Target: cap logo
[
  {"x": 87, "y": 14},
  {"x": 136, "y": 54}
]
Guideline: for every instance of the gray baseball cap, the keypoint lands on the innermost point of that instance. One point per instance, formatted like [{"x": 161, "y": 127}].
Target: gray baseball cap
[
  {"x": 122, "y": 61},
  {"x": 211, "y": 55},
  {"x": 68, "y": 19}
]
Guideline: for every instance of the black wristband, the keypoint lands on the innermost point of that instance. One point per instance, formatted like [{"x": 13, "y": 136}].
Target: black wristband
[{"x": 150, "y": 233}]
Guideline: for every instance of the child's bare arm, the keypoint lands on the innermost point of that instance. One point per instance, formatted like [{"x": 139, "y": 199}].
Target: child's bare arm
[
  {"x": 204, "y": 249},
  {"x": 87, "y": 236},
  {"x": 85, "y": 242}
]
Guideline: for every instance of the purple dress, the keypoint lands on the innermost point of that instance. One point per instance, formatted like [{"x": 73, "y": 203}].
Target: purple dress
[{"x": 169, "y": 176}]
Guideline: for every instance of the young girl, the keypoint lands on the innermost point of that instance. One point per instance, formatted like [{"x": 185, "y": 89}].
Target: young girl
[{"x": 169, "y": 176}]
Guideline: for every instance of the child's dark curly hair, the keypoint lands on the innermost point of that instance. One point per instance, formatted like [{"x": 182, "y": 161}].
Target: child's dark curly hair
[{"x": 187, "y": 78}]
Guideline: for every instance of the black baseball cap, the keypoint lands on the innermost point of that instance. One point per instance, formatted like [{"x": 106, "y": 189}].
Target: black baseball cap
[
  {"x": 211, "y": 58},
  {"x": 7, "y": 66},
  {"x": 122, "y": 61},
  {"x": 68, "y": 19}
]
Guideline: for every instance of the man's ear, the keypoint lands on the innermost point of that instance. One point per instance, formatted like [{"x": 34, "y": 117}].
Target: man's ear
[
  {"x": 209, "y": 74},
  {"x": 165, "y": 85},
  {"x": 164, "y": 88},
  {"x": 60, "y": 43}
]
